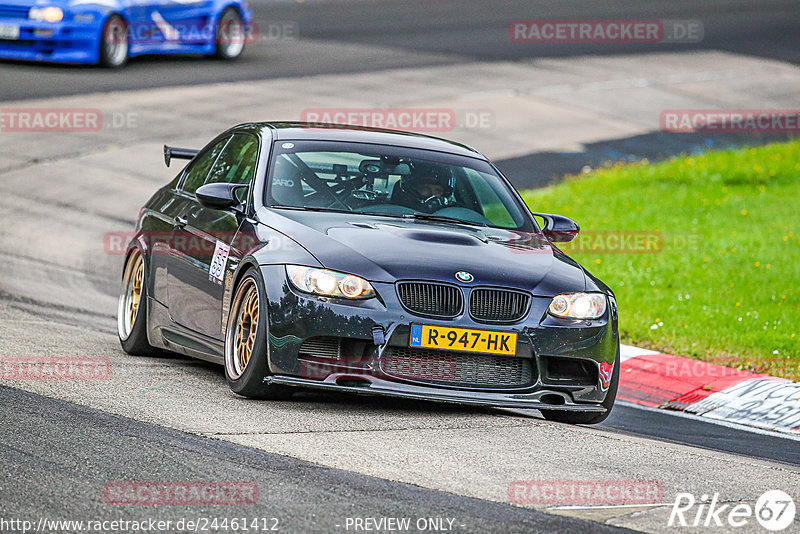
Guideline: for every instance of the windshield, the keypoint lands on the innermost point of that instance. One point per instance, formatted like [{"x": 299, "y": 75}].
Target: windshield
[{"x": 390, "y": 181}]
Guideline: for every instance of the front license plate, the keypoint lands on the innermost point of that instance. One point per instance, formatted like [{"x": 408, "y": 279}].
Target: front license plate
[
  {"x": 463, "y": 339},
  {"x": 9, "y": 31}
]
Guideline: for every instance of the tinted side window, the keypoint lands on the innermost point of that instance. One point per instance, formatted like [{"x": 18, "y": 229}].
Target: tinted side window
[
  {"x": 237, "y": 162},
  {"x": 197, "y": 173}
]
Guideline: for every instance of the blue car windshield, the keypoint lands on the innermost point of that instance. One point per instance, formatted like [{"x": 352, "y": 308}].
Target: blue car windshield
[{"x": 391, "y": 181}]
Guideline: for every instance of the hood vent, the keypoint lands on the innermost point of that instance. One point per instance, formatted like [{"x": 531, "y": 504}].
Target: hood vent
[{"x": 366, "y": 226}]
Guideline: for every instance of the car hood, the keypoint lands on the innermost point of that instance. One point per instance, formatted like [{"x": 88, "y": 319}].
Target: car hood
[{"x": 384, "y": 249}]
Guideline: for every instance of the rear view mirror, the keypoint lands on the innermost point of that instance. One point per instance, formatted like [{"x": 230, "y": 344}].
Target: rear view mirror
[
  {"x": 371, "y": 167},
  {"x": 219, "y": 196},
  {"x": 557, "y": 228}
]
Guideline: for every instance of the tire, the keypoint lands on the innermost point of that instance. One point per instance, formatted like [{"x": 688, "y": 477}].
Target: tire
[
  {"x": 114, "y": 43},
  {"x": 230, "y": 36},
  {"x": 132, "y": 308},
  {"x": 582, "y": 418},
  {"x": 246, "y": 360}
]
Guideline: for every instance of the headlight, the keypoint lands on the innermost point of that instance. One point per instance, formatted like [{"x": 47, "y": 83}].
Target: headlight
[
  {"x": 578, "y": 305},
  {"x": 47, "y": 14},
  {"x": 329, "y": 283}
]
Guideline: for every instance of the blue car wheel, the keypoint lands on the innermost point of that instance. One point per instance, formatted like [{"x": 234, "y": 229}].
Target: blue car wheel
[
  {"x": 231, "y": 35},
  {"x": 114, "y": 42}
]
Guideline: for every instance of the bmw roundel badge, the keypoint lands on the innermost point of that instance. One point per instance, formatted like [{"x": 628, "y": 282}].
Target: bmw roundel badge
[{"x": 464, "y": 276}]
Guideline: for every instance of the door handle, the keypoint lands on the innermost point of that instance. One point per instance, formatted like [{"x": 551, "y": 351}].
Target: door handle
[{"x": 180, "y": 221}]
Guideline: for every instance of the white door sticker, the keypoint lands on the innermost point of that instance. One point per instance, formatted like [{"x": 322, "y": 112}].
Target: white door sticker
[{"x": 216, "y": 271}]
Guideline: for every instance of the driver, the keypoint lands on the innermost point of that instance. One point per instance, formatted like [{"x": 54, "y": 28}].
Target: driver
[{"x": 427, "y": 188}]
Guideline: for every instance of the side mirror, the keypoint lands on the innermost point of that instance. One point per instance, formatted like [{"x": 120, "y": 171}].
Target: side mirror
[
  {"x": 557, "y": 228},
  {"x": 218, "y": 196}
]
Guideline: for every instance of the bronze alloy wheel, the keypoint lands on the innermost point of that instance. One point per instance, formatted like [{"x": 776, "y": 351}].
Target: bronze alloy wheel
[
  {"x": 130, "y": 296},
  {"x": 242, "y": 329}
]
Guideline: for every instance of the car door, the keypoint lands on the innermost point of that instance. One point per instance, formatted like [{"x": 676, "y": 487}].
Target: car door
[
  {"x": 197, "y": 267},
  {"x": 143, "y": 32},
  {"x": 184, "y": 21}
]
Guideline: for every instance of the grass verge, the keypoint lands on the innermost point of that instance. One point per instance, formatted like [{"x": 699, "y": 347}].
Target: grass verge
[{"x": 706, "y": 258}]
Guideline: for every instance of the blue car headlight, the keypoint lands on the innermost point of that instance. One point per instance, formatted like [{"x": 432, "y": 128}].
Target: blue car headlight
[
  {"x": 329, "y": 283},
  {"x": 46, "y": 14},
  {"x": 578, "y": 305}
]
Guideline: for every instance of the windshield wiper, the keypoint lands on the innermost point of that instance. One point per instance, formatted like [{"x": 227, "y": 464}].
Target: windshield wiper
[
  {"x": 334, "y": 210},
  {"x": 309, "y": 208},
  {"x": 415, "y": 216},
  {"x": 441, "y": 218}
]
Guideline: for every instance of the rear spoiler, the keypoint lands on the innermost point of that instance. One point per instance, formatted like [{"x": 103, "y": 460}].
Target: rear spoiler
[{"x": 178, "y": 153}]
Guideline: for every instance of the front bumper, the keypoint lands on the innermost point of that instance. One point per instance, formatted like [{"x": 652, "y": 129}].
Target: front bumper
[
  {"x": 370, "y": 385},
  {"x": 546, "y": 344},
  {"x": 67, "y": 42}
]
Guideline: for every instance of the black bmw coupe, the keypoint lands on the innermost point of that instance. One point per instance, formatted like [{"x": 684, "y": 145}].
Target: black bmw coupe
[{"x": 367, "y": 261}]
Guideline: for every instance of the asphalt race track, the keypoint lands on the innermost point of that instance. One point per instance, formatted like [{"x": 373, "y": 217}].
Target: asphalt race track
[
  {"x": 320, "y": 460},
  {"x": 340, "y": 36},
  {"x": 302, "y": 496}
]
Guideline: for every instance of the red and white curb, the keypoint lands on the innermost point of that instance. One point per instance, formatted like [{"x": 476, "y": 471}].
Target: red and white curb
[{"x": 717, "y": 392}]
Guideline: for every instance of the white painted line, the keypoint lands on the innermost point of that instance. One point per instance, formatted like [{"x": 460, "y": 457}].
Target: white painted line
[
  {"x": 627, "y": 352},
  {"x": 607, "y": 506},
  {"x": 719, "y": 422}
]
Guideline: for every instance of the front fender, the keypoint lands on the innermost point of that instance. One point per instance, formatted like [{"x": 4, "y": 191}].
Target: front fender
[
  {"x": 273, "y": 248},
  {"x": 278, "y": 248}
]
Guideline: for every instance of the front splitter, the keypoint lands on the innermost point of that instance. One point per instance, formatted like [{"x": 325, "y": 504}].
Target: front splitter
[{"x": 376, "y": 386}]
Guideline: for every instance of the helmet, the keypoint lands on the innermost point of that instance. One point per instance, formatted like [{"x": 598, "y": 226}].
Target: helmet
[
  {"x": 412, "y": 186},
  {"x": 425, "y": 172}
]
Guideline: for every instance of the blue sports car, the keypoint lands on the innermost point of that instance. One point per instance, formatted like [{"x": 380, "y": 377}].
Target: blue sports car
[{"x": 108, "y": 32}]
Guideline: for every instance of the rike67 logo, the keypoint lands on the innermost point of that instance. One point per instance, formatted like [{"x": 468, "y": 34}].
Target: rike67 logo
[{"x": 774, "y": 510}]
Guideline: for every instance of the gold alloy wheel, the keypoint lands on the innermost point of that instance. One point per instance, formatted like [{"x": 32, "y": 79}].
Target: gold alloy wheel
[
  {"x": 241, "y": 335},
  {"x": 130, "y": 297}
]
